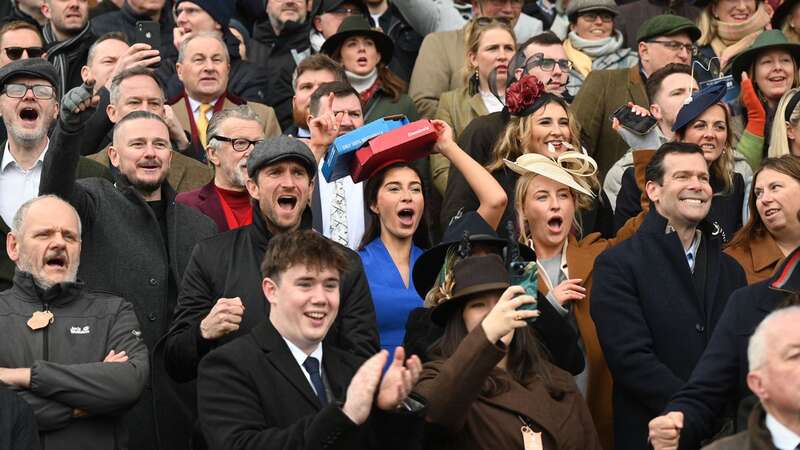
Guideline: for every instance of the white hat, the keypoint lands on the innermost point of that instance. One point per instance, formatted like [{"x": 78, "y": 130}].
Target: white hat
[{"x": 555, "y": 169}]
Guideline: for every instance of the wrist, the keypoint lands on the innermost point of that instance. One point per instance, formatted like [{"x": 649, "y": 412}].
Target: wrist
[{"x": 492, "y": 335}]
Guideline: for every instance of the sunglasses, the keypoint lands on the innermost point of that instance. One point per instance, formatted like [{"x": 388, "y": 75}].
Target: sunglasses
[
  {"x": 40, "y": 91},
  {"x": 15, "y": 53}
]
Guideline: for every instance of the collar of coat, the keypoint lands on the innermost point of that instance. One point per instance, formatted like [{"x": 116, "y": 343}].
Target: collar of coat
[
  {"x": 655, "y": 223},
  {"x": 261, "y": 235},
  {"x": 59, "y": 294},
  {"x": 760, "y": 437}
]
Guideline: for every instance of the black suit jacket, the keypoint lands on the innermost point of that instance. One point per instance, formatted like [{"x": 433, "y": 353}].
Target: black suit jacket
[
  {"x": 654, "y": 318},
  {"x": 252, "y": 394}
]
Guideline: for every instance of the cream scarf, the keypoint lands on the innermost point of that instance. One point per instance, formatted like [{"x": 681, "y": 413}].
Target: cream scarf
[{"x": 734, "y": 38}]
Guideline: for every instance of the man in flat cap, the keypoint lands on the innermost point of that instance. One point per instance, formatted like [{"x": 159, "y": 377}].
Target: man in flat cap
[
  {"x": 661, "y": 40},
  {"x": 221, "y": 296},
  {"x": 29, "y": 105}
]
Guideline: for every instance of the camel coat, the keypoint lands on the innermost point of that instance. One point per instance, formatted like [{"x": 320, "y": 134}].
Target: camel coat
[{"x": 758, "y": 257}]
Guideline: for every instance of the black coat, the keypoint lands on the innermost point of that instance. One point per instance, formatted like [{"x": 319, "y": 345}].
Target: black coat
[
  {"x": 252, "y": 394},
  {"x": 124, "y": 21},
  {"x": 721, "y": 374},
  {"x": 726, "y": 209},
  {"x": 228, "y": 266},
  {"x": 654, "y": 318},
  {"x": 406, "y": 42},
  {"x": 124, "y": 253},
  {"x": 17, "y": 424}
]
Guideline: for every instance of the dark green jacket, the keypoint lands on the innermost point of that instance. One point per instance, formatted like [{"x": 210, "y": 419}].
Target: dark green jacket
[
  {"x": 86, "y": 169},
  {"x": 381, "y": 105}
]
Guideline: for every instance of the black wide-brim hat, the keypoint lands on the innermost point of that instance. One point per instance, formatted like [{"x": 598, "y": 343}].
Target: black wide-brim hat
[
  {"x": 472, "y": 275},
  {"x": 766, "y": 40},
  {"x": 699, "y": 102},
  {"x": 429, "y": 264},
  {"x": 359, "y": 26}
]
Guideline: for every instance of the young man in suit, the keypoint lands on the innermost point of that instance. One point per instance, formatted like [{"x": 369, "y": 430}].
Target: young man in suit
[
  {"x": 288, "y": 389},
  {"x": 662, "y": 292},
  {"x": 232, "y": 134}
]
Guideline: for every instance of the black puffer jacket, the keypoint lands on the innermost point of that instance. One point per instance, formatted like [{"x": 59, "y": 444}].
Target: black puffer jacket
[{"x": 65, "y": 358}]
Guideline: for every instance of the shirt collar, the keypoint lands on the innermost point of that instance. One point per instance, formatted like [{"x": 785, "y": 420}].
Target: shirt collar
[
  {"x": 691, "y": 252},
  {"x": 782, "y": 437},
  {"x": 300, "y": 356},
  {"x": 195, "y": 105},
  {"x": 8, "y": 158}
]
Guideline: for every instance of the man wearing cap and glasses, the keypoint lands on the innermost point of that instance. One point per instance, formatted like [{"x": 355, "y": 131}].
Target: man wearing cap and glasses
[
  {"x": 29, "y": 105},
  {"x": 662, "y": 40},
  {"x": 232, "y": 134},
  {"x": 440, "y": 63}
]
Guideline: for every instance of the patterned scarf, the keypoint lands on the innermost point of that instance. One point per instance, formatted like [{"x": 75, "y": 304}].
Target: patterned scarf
[{"x": 731, "y": 34}]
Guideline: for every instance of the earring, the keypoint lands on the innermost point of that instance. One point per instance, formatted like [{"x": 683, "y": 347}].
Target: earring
[{"x": 475, "y": 83}]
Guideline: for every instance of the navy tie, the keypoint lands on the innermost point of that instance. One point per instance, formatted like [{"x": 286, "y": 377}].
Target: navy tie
[{"x": 312, "y": 367}]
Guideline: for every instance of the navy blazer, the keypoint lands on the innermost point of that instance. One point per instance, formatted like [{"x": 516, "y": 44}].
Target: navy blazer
[
  {"x": 654, "y": 318},
  {"x": 721, "y": 373},
  {"x": 206, "y": 200}
]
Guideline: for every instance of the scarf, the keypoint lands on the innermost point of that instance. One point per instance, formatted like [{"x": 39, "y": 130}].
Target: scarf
[
  {"x": 583, "y": 51},
  {"x": 362, "y": 82},
  {"x": 740, "y": 35},
  {"x": 57, "y": 53}
]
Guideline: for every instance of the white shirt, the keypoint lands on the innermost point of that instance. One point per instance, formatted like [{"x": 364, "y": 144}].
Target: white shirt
[
  {"x": 195, "y": 105},
  {"x": 300, "y": 356},
  {"x": 354, "y": 195},
  {"x": 782, "y": 437},
  {"x": 18, "y": 185},
  {"x": 491, "y": 102}
]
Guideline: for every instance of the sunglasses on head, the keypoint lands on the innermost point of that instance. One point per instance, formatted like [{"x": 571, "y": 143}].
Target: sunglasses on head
[{"x": 15, "y": 53}]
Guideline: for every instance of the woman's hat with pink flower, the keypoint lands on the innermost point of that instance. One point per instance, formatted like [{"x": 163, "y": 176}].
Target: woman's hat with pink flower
[{"x": 525, "y": 96}]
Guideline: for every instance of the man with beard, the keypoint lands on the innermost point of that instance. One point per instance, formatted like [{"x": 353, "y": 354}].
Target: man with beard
[
  {"x": 68, "y": 37},
  {"x": 221, "y": 296},
  {"x": 137, "y": 242},
  {"x": 310, "y": 74},
  {"x": 73, "y": 354},
  {"x": 28, "y": 105},
  {"x": 232, "y": 134},
  {"x": 204, "y": 68}
]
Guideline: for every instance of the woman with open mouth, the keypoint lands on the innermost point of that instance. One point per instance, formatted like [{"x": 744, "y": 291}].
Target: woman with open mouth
[
  {"x": 490, "y": 45},
  {"x": 365, "y": 54},
  {"x": 704, "y": 121},
  {"x": 593, "y": 43},
  {"x": 540, "y": 123},
  {"x": 394, "y": 238},
  {"x": 728, "y": 27},
  {"x": 549, "y": 197}
]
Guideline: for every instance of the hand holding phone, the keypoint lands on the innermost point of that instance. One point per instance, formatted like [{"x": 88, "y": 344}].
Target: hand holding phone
[
  {"x": 521, "y": 273},
  {"x": 148, "y": 32},
  {"x": 634, "y": 122}
]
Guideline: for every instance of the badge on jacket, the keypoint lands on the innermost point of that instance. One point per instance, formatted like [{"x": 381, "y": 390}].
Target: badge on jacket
[{"x": 40, "y": 319}]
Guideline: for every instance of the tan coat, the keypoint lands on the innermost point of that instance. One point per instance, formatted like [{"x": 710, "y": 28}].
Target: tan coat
[
  {"x": 457, "y": 108},
  {"x": 267, "y": 114},
  {"x": 439, "y": 68},
  {"x": 471, "y": 420},
  {"x": 758, "y": 257},
  {"x": 602, "y": 93},
  {"x": 185, "y": 173}
]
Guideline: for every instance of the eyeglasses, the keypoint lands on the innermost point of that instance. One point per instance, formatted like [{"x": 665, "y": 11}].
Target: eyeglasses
[
  {"x": 486, "y": 21},
  {"x": 238, "y": 144},
  {"x": 592, "y": 17},
  {"x": 15, "y": 53},
  {"x": 40, "y": 91},
  {"x": 547, "y": 64},
  {"x": 675, "y": 46}
]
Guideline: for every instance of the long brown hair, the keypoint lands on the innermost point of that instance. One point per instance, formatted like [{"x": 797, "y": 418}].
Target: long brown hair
[
  {"x": 526, "y": 356},
  {"x": 754, "y": 228},
  {"x": 391, "y": 83}
]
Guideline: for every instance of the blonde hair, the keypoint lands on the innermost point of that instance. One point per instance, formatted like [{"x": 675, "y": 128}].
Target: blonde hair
[
  {"x": 582, "y": 202},
  {"x": 707, "y": 25},
  {"x": 721, "y": 168},
  {"x": 779, "y": 139},
  {"x": 472, "y": 42},
  {"x": 791, "y": 34}
]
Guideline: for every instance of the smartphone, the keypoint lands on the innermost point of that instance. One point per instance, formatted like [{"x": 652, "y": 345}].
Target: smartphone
[
  {"x": 632, "y": 121},
  {"x": 148, "y": 32},
  {"x": 523, "y": 273}
]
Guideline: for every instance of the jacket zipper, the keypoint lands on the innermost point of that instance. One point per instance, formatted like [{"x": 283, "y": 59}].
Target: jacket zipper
[{"x": 45, "y": 345}]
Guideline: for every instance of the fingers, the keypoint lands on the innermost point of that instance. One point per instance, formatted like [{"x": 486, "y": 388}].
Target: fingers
[
  {"x": 510, "y": 293},
  {"x": 677, "y": 419},
  {"x": 744, "y": 76},
  {"x": 615, "y": 124},
  {"x": 399, "y": 356},
  {"x": 414, "y": 366}
]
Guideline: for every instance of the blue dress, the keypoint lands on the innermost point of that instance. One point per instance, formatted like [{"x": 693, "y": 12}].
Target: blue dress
[{"x": 393, "y": 301}]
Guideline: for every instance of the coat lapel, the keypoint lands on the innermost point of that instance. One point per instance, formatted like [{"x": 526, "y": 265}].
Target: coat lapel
[
  {"x": 636, "y": 87},
  {"x": 279, "y": 356},
  {"x": 476, "y": 104},
  {"x": 179, "y": 108}
]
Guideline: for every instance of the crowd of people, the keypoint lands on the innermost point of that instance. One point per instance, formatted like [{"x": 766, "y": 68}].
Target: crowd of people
[{"x": 600, "y": 250}]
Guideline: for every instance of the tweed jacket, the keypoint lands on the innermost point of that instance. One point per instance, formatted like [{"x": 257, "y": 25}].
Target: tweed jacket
[
  {"x": 602, "y": 93},
  {"x": 756, "y": 437},
  {"x": 185, "y": 173}
]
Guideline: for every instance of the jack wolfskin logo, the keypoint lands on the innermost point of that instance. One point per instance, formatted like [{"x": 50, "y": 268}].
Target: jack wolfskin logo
[{"x": 79, "y": 330}]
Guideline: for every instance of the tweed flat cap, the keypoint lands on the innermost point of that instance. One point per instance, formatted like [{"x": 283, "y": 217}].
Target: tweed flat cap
[
  {"x": 31, "y": 67},
  {"x": 276, "y": 149}
]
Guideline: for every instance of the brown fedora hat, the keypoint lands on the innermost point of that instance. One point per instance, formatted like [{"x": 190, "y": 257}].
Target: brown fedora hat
[{"x": 472, "y": 275}]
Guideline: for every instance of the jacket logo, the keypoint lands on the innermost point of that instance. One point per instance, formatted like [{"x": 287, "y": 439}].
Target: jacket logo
[{"x": 79, "y": 330}]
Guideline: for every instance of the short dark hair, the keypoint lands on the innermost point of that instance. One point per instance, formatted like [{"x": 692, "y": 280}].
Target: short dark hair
[
  {"x": 319, "y": 61},
  {"x": 544, "y": 39},
  {"x": 305, "y": 247},
  {"x": 655, "y": 168},
  {"x": 653, "y": 84},
  {"x": 339, "y": 89},
  {"x": 135, "y": 115}
]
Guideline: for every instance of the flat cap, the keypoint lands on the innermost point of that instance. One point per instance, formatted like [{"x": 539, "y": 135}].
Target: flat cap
[
  {"x": 30, "y": 67},
  {"x": 276, "y": 149},
  {"x": 576, "y": 7},
  {"x": 667, "y": 25}
]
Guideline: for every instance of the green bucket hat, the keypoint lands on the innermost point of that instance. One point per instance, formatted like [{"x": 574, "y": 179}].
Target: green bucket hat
[
  {"x": 359, "y": 26},
  {"x": 667, "y": 25},
  {"x": 767, "y": 40}
]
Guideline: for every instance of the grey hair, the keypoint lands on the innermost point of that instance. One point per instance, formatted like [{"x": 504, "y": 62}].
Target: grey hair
[
  {"x": 242, "y": 112},
  {"x": 208, "y": 34},
  {"x": 18, "y": 222},
  {"x": 759, "y": 341},
  {"x": 130, "y": 73}
]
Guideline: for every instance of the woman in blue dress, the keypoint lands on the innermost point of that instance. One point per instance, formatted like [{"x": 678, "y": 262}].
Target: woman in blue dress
[{"x": 396, "y": 205}]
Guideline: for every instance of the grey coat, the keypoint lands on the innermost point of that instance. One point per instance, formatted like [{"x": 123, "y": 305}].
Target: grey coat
[{"x": 124, "y": 253}]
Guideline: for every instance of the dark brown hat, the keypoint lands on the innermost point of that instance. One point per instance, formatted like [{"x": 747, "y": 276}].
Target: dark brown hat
[{"x": 472, "y": 275}]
